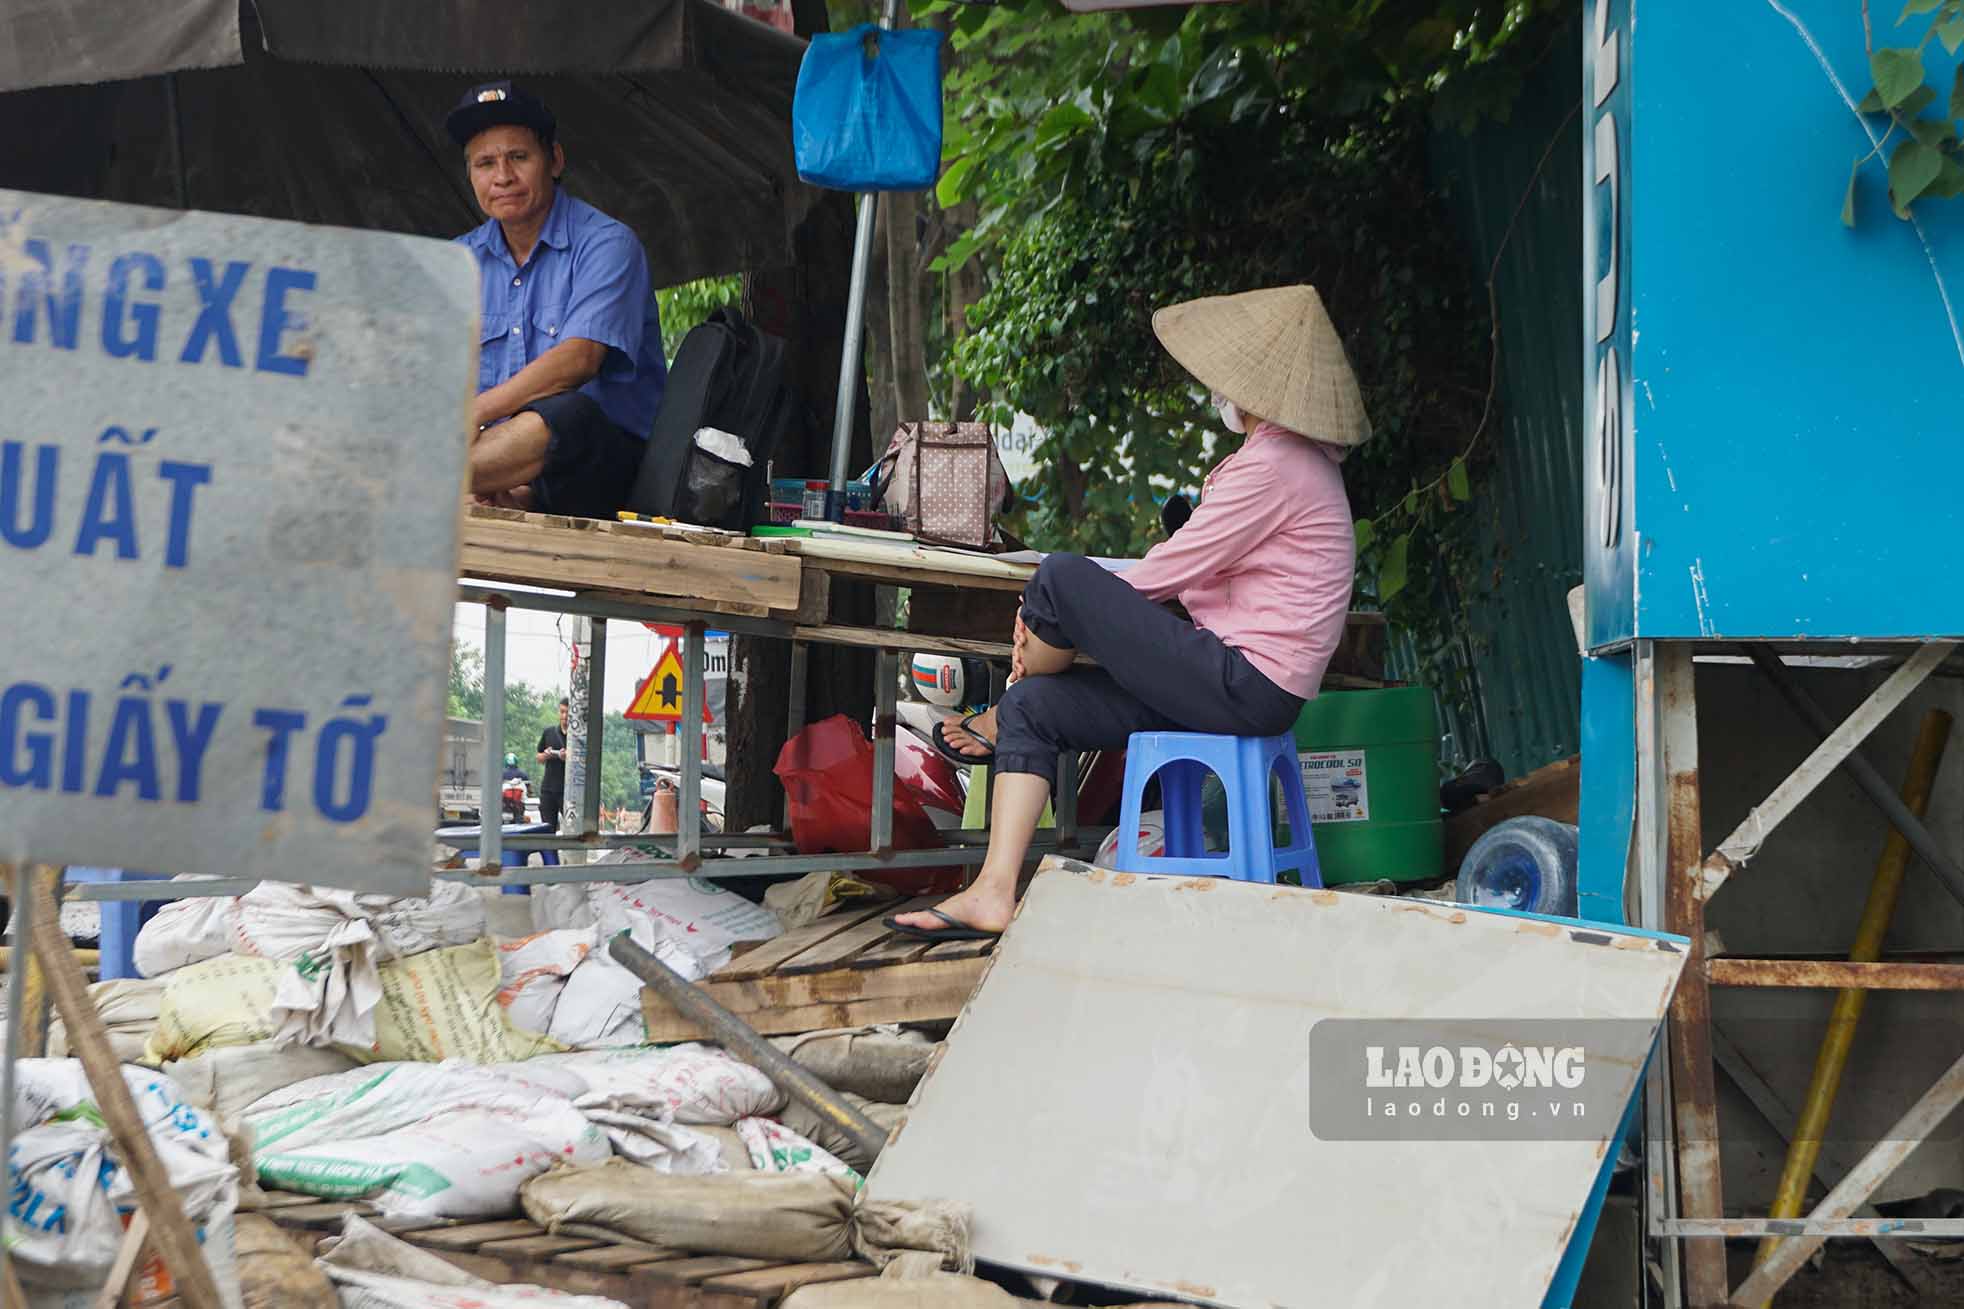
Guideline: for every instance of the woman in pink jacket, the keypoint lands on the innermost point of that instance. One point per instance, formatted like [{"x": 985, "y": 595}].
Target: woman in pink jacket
[{"x": 1264, "y": 567}]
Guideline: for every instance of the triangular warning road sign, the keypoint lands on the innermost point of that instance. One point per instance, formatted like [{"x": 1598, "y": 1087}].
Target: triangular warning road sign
[{"x": 659, "y": 698}]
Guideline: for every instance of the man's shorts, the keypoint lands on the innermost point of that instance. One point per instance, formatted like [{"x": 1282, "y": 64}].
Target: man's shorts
[{"x": 591, "y": 462}]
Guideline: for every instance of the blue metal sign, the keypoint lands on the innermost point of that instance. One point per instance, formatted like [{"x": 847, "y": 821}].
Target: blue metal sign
[
  {"x": 1773, "y": 445},
  {"x": 230, "y": 476}
]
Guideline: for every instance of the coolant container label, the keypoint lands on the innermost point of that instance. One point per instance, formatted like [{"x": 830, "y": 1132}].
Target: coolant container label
[{"x": 1337, "y": 784}]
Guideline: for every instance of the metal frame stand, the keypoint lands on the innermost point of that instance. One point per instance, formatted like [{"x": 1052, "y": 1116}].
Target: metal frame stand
[{"x": 1683, "y": 1187}]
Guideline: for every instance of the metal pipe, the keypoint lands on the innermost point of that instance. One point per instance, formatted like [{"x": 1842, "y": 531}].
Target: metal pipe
[
  {"x": 852, "y": 361},
  {"x": 1864, "y": 774},
  {"x": 688, "y": 809},
  {"x": 1832, "y": 1060},
  {"x": 794, "y": 721},
  {"x": 490, "y": 804},
  {"x": 880, "y": 822},
  {"x": 596, "y": 724},
  {"x": 736, "y": 1036}
]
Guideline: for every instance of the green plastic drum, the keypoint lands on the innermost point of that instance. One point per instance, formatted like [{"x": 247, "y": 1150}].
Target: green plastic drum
[{"x": 1370, "y": 768}]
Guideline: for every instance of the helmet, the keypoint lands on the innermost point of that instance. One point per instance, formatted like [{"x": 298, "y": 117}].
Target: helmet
[
  {"x": 938, "y": 680},
  {"x": 511, "y": 760}
]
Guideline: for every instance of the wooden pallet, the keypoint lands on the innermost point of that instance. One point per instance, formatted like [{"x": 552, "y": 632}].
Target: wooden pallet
[
  {"x": 520, "y": 1252},
  {"x": 845, "y": 970}
]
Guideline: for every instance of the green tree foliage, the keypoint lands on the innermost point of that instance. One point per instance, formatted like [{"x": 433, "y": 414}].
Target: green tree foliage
[
  {"x": 1122, "y": 162},
  {"x": 528, "y": 713},
  {"x": 685, "y": 306},
  {"x": 1923, "y": 149}
]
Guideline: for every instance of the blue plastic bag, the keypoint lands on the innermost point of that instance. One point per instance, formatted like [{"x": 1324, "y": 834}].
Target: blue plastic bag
[{"x": 867, "y": 112}]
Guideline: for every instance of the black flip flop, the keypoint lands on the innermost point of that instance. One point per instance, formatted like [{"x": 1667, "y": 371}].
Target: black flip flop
[
  {"x": 947, "y": 751},
  {"x": 956, "y": 930}
]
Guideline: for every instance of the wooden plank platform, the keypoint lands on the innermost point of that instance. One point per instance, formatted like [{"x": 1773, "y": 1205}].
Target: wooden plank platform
[
  {"x": 518, "y": 1251},
  {"x": 845, "y": 970},
  {"x": 707, "y": 572}
]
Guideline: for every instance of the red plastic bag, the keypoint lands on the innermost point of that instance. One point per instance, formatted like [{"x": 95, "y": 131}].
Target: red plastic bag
[{"x": 827, "y": 771}]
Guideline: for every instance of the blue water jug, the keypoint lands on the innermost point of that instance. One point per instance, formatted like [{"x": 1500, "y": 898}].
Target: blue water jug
[{"x": 867, "y": 112}]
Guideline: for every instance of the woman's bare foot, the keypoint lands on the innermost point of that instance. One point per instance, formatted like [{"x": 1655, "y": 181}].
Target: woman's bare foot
[
  {"x": 965, "y": 741},
  {"x": 981, "y": 906}
]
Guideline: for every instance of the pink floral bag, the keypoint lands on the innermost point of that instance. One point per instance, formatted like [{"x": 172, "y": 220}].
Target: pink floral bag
[{"x": 944, "y": 481}]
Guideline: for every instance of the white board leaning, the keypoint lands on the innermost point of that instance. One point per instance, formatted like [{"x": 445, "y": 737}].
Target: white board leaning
[{"x": 230, "y": 473}]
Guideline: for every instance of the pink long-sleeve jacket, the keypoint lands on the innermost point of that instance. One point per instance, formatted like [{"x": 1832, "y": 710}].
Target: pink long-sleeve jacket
[{"x": 1265, "y": 563}]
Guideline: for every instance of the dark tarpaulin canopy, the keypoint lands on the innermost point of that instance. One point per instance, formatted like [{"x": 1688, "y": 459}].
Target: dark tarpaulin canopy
[{"x": 675, "y": 114}]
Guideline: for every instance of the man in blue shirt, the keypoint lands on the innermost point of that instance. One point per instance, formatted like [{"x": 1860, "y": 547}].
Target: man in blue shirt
[{"x": 570, "y": 371}]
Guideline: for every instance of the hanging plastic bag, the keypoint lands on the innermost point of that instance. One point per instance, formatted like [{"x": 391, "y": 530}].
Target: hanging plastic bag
[
  {"x": 827, "y": 771},
  {"x": 867, "y": 112}
]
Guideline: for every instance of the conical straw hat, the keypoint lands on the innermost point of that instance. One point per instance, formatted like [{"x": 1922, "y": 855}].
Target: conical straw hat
[{"x": 1276, "y": 354}]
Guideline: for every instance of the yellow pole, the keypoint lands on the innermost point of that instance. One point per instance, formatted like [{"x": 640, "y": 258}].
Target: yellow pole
[{"x": 1832, "y": 1060}]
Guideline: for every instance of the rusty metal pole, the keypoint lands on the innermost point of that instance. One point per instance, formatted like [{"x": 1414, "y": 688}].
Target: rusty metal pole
[
  {"x": 1832, "y": 1060},
  {"x": 1694, "y": 1085},
  {"x": 735, "y": 1035}
]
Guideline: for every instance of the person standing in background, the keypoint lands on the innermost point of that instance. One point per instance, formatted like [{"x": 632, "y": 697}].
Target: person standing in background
[{"x": 552, "y": 753}]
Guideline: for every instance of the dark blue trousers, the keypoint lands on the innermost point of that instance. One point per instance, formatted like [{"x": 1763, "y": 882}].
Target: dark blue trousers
[{"x": 1156, "y": 673}]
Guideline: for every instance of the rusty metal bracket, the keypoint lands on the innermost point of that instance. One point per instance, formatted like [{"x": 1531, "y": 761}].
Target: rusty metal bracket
[
  {"x": 1745, "y": 841},
  {"x": 1862, "y": 772}
]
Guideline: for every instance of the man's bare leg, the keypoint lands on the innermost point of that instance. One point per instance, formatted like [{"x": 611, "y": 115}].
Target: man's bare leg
[
  {"x": 509, "y": 456},
  {"x": 987, "y": 905}
]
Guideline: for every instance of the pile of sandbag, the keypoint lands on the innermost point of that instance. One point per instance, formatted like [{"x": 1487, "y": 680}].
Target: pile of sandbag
[
  {"x": 440, "y": 1004},
  {"x": 330, "y": 945},
  {"x": 454, "y": 1140},
  {"x": 71, "y": 1197},
  {"x": 689, "y": 924}
]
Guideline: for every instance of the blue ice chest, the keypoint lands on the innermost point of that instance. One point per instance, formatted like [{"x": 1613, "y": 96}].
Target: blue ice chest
[{"x": 1773, "y": 444}]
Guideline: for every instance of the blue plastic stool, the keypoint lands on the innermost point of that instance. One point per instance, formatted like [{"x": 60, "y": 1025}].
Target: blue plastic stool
[
  {"x": 1181, "y": 760},
  {"x": 121, "y": 919}
]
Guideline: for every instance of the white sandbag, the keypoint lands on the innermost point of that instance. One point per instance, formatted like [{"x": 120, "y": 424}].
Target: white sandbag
[
  {"x": 373, "y": 1270},
  {"x": 184, "y": 932},
  {"x": 697, "y": 916},
  {"x": 229, "y": 1080},
  {"x": 775, "y": 1148},
  {"x": 533, "y": 971},
  {"x": 793, "y": 1217},
  {"x": 444, "y": 1140},
  {"x": 72, "y": 1197},
  {"x": 599, "y": 1007},
  {"x": 282, "y": 921},
  {"x": 690, "y": 1083},
  {"x": 555, "y": 908},
  {"x": 128, "y": 1008},
  {"x": 336, "y": 941},
  {"x": 640, "y": 1130},
  {"x": 666, "y": 1147}
]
